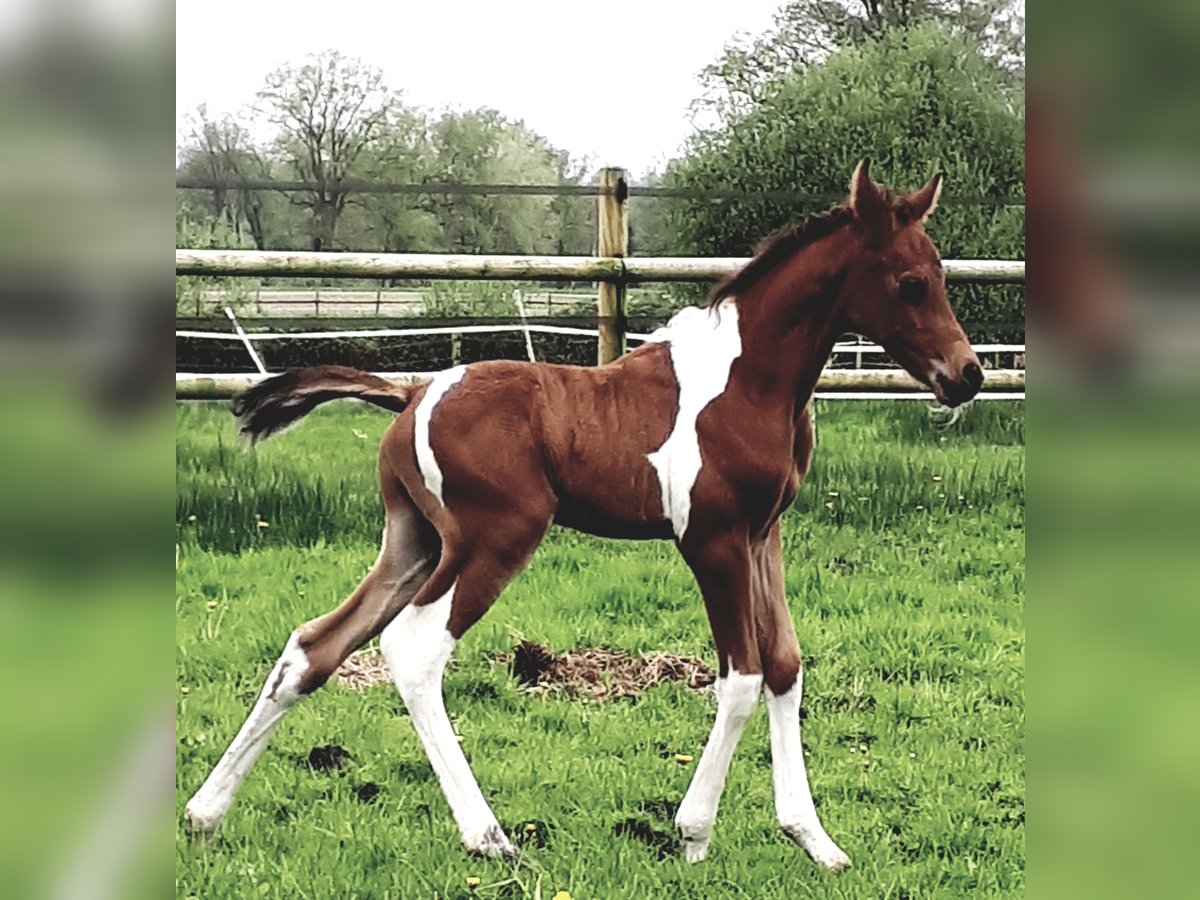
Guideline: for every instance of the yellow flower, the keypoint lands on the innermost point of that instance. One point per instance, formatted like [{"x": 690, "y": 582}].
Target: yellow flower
[
  {"x": 530, "y": 828},
  {"x": 472, "y": 882},
  {"x": 562, "y": 895},
  {"x": 683, "y": 758},
  {"x": 262, "y": 524}
]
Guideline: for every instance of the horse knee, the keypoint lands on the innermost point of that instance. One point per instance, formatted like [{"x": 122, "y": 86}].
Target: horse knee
[
  {"x": 737, "y": 695},
  {"x": 782, "y": 670}
]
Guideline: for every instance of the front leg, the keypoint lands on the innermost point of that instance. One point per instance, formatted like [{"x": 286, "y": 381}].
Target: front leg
[
  {"x": 784, "y": 679},
  {"x": 722, "y": 568}
]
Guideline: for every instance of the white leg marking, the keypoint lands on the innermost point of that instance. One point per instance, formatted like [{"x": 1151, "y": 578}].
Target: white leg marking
[
  {"x": 703, "y": 344},
  {"x": 417, "y": 647},
  {"x": 793, "y": 799},
  {"x": 281, "y": 691},
  {"x": 737, "y": 695},
  {"x": 426, "y": 461}
]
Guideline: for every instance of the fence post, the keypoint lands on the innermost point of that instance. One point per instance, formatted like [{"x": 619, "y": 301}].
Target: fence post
[{"x": 613, "y": 225}]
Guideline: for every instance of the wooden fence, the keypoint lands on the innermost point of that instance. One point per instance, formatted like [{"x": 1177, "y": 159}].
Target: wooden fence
[{"x": 612, "y": 269}]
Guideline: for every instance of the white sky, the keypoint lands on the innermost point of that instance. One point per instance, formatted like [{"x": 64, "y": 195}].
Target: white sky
[{"x": 608, "y": 81}]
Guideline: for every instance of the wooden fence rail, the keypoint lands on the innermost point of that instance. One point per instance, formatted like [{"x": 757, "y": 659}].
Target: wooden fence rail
[
  {"x": 629, "y": 270},
  {"x": 844, "y": 381}
]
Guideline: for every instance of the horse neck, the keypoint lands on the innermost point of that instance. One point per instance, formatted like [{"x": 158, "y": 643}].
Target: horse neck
[{"x": 789, "y": 322}]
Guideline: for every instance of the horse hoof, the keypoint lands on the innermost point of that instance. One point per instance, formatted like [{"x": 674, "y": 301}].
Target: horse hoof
[
  {"x": 832, "y": 858},
  {"x": 820, "y": 848},
  {"x": 695, "y": 851},
  {"x": 492, "y": 843},
  {"x": 198, "y": 824}
]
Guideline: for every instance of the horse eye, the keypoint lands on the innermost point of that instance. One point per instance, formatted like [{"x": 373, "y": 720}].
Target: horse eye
[{"x": 912, "y": 288}]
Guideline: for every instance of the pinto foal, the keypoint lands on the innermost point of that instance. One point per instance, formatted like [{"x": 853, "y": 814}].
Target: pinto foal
[{"x": 701, "y": 436}]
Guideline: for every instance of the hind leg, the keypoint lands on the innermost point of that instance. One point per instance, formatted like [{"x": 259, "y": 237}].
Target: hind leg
[
  {"x": 418, "y": 643},
  {"x": 315, "y": 650}
]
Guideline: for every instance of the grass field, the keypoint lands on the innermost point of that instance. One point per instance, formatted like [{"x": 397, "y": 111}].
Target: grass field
[{"x": 905, "y": 575}]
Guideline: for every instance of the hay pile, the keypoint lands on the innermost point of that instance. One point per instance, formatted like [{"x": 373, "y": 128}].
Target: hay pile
[
  {"x": 597, "y": 674},
  {"x": 364, "y": 669},
  {"x": 601, "y": 674}
]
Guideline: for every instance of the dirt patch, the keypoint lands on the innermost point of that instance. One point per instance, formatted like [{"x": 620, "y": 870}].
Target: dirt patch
[
  {"x": 324, "y": 759},
  {"x": 594, "y": 673},
  {"x": 601, "y": 674},
  {"x": 665, "y": 845},
  {"x": 366, "y": 793}
]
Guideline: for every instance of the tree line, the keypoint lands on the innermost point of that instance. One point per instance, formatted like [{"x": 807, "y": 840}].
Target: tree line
[
  {"x": 916, "y": 85},
  {"x": 335, "y": 123}
]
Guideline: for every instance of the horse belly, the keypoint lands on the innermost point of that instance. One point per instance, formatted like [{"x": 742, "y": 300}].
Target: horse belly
[{"x": 612, "y": 498}]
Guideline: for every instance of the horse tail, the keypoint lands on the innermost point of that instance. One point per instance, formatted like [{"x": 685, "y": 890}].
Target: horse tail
[{"x": 278, "y": 401}]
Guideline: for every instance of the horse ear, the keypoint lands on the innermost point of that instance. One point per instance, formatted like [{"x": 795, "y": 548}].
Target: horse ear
[
  {"x": 925, "y": 201},
  {"x": 867, "y": 201}
]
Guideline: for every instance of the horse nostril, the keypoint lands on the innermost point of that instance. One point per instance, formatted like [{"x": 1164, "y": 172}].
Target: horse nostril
[{"x": 973, "y": 376}]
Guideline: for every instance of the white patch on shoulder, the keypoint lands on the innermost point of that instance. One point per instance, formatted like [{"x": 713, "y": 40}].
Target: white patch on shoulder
[
  {"x": 426, "y": 461},
  {"x": 703, "y": 344}
]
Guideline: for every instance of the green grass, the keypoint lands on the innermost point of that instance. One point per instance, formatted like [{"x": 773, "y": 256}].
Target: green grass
[{"x": 905, "y": 574}]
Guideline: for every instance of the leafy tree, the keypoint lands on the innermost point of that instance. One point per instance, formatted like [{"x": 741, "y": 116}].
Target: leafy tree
[
  {"x": 806, "y": 32},
  {"x": 915, "y": 101},
  {"x": 329, "y": 111},
  {"x": 221, "y": 151},
  {"x": 483, "y": 147},
  {"x": 400, "y": 223}
]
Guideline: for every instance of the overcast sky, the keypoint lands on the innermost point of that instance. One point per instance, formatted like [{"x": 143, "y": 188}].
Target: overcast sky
[{"x": 609, "y": 81}]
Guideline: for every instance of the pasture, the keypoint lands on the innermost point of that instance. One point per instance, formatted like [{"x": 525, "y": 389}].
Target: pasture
[{"x": 905, "y": 575}]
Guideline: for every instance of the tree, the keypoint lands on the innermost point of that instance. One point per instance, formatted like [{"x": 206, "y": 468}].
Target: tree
[
  {"x": 806, "y": 32},
  {"x": 329, "y": 112},
  {"x": 915, "y": 101},
  {"x": 483, "y": 147},
  {"x": 397, "y": 222},
  {"x": 221, "y": 152}
]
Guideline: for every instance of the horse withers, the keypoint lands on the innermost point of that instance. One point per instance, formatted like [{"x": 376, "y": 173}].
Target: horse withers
[{"x": 700, "y": 436}]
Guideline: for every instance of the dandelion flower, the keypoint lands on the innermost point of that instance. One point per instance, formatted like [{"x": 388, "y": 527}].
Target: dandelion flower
[
  {"x": 192, "y": 518},
  {"x": 262, "y": 524},
  {"x": 473, "y": 882},
  {"x": 211, "y": 604},
  {"x": 683, "y": 758},
  {"x": 562, "y": 895},
  {"x": 530, "y": 828}
]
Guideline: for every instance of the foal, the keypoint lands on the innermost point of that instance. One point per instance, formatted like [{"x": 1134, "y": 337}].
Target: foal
[{"x": 701, "y": 436}]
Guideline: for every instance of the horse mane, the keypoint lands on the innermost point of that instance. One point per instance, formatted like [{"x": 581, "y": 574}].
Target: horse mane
[{"x": 784, "y": 243}]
